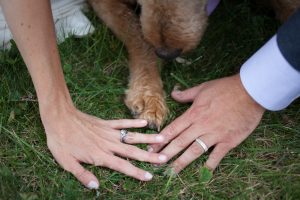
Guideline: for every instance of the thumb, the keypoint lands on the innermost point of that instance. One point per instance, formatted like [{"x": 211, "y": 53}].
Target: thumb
[
  {"x": 87, "y": 178},
  {"x": 187, "y": 95}
]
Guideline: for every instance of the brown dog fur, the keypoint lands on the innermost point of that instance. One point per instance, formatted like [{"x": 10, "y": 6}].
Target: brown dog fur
[{"x": 165, "y": 26}]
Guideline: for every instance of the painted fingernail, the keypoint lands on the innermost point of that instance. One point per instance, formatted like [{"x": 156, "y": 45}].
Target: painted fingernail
[
  {"x": 148, "y": 176},
  {"x": 176, "y": 91},
  {"x": 176, "y": 88},
  {"x": 150, "y": 149},
  {"x": 144, "y": 122},
  {"x": 159, "y": 138},
  {"x": 93, "y": 185},
  {"x": 162, "y": 158}
]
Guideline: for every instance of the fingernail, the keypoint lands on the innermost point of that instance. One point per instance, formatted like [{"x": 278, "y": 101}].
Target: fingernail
[
  {"x": 176, "y": 88},
  {"x": 93, "y": 185},
  {"x": 176, "y": 91},
  {"x": 159, "y": 138},
  {"x": 162, "y": 158},
  {"x": 148, "y": 176},
  {"x": 144, "y": 122},
  {"x": 150, "y": 149}
]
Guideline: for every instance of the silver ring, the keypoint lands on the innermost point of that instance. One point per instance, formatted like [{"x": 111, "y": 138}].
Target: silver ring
[
  {"x": 202, "y": 144},
  {"x": 123, "y": 135}
]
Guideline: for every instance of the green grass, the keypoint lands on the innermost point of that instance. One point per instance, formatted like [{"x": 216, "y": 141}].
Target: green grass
[{"x": 265, "y": 166}]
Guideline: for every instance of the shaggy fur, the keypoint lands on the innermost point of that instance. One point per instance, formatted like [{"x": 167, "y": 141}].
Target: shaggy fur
[{"x": 165, "y": 28}]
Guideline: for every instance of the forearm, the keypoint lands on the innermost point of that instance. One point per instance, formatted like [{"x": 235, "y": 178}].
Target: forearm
[{"x": 32, "y": 26}]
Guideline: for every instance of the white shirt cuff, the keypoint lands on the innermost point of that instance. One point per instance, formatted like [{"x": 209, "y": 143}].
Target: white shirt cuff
[{"x": 269, "y": 79}]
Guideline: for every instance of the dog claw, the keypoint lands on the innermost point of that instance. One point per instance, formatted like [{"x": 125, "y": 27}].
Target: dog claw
[
  {"x": 135, "y": 114},
  {"x": 154, "y": 126},
  {"x": 149, "y": 107},
  {"x": 158, "y": 128}
]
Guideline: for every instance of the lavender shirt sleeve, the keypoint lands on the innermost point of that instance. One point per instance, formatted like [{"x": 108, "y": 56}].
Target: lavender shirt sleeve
[
  {"x": 272, "y": 75},
  {"x": 269, "y": 79}
]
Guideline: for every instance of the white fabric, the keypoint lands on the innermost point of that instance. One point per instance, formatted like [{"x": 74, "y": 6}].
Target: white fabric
[
  {"x": 269, "y": 79},
  {"x": 68, "y": 18}
]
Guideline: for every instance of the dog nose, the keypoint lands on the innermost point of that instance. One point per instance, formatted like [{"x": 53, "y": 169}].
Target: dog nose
[{"x": 168, "y": 54}]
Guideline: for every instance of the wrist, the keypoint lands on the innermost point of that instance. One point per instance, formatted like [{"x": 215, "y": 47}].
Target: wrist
[
  {"x": 245, "y": 97},
  {"x": 55, "y": 105}
]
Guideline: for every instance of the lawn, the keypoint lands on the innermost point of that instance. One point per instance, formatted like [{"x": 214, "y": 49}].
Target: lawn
[{"x": 265, "y": 166}]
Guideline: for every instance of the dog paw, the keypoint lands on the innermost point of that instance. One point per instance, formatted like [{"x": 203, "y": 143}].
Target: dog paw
[{"x": 147, "y": 105}]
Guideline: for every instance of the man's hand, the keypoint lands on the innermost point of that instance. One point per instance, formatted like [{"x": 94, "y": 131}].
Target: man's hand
[
  {"x": 74, "y": 137},
  {"x": 222, "y": 116}
]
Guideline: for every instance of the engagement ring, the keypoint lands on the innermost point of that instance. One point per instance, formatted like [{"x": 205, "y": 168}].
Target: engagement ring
[{"x": 123, "y": 135}]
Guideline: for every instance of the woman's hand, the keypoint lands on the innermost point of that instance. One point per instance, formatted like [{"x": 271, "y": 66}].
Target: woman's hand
[
  {"x": 74, "y": 137},
  {"x": 222, "y": 116}
]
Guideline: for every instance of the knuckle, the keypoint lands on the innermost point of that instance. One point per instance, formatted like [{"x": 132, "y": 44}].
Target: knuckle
[
  {"x": 172, "y": 129},
  {"x": 214, "y": 156},
  {"x": 144, "y": 157},
  {"x": 179, "y": 142},
  {"x": 130, "y": 137},
  {"x": 230, "y": 141},
  {"x": 137, "y": 153},
  {"x": 129, "y": 150},
  {"x": 196, "y": 149},
  {"x": 169, "y": 133},
  {"x": 79, "y": 173},
  {"x": 219, "y": 152},
  {"x": 192, "y": 113},
  {"x": 231, "y": 137}
]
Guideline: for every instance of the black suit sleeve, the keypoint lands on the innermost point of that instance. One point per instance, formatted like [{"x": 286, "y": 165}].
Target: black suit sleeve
[{"x": 288, "y": 39}]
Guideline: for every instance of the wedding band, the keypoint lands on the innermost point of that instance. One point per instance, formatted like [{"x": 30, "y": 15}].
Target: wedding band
[
  {"x": 202, "y": 144},
  {"x": 123, "y": 135}
]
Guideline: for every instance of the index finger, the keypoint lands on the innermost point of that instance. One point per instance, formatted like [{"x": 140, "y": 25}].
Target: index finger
[{"x": 172, "y": 130}]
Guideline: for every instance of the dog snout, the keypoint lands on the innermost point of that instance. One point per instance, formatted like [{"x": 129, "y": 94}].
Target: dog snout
[{"x": 168, "y": 54}]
